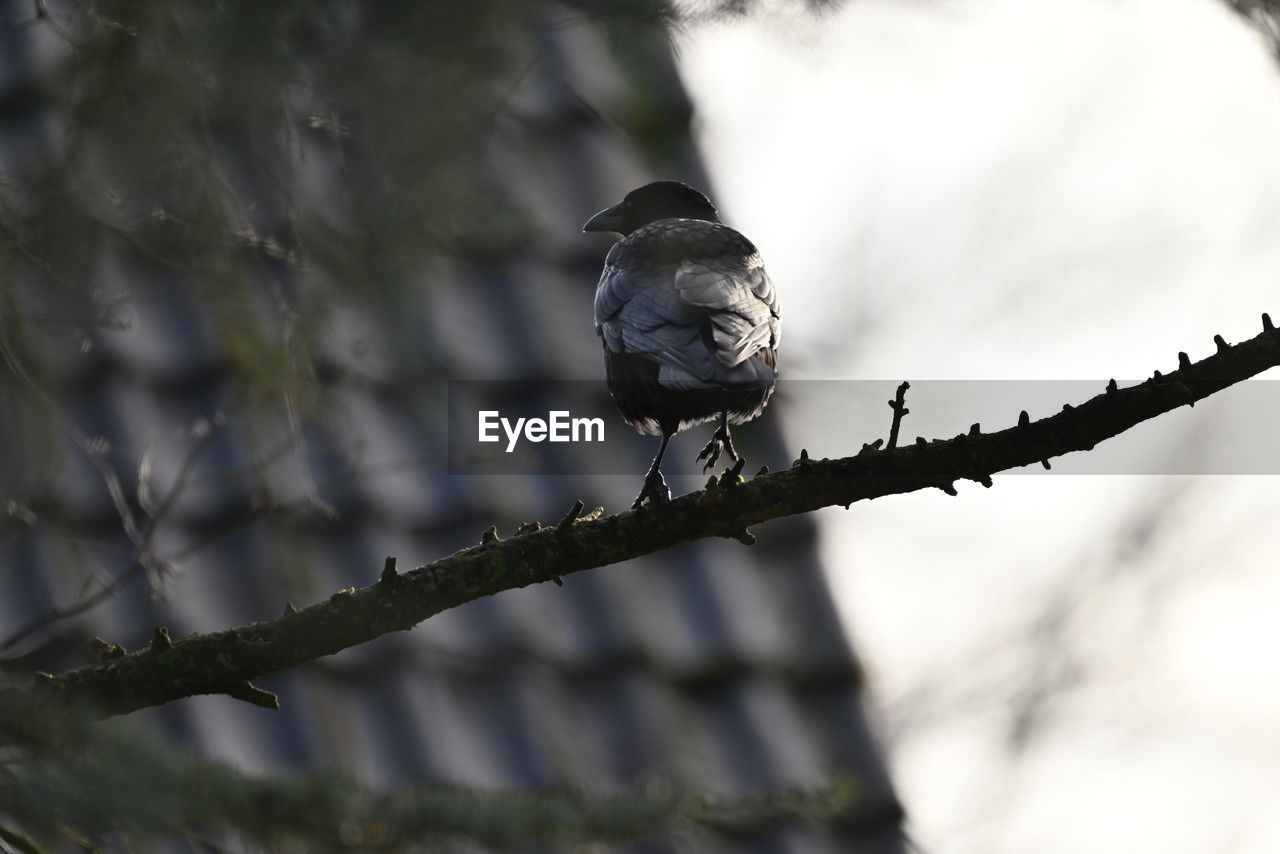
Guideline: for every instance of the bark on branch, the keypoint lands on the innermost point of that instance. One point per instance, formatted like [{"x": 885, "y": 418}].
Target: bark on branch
[{"x": 225, "y": 662}]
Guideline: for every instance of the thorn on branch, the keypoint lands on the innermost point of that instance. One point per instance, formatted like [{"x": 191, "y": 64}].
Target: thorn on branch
[
  {"x": 1112, "y": 388},
  {"x": 985, "y": 480},
  {"x": 921, "y": 441},
  {"x": 1157, "y": 377},
  {"x": 289, "y": 610},
  {"x": 250, "y": 693},
  {"x": 106, "y": 651},
  {"x": 571, "y": 516},
  {"x": 528, "y": 528},
  {"x": 899, "y": 407},
  {"x": 764, "y": 470},
  {"x": 490, "y": 536},
  {"x": 1184, "y": 362},
  {"x": 732, "y": 476},
  {"x": 1266, "y": 323},
  {"x": 389, "y": 572},
  {"x": 868, "y": 447},
  {"x": 1222, "y": 344},
  {"x": 1046, "y": 465},
  {"x": 744, "y": 536},
  {"x": 1023, "y": 418},
  {"x": 803, "y": 462},
  {"x": 1066, "y": 407},
  {"x": 975, "y": 430},
  {"x": 160, "y": 641},
  {"x": 949, "y": 488}
]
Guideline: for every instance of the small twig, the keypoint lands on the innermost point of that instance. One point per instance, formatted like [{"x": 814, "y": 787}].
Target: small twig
[
  {"x": 572, "y": 516},
  {"x": 142, "y": 558},
  {"x": 899, "y": 407},
  {"x": 250, "y": 693},
  {"x": 389, "y": 572}
]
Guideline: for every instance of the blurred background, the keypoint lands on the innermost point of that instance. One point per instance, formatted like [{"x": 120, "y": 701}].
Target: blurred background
[
  {"x": 989, "y": 190},
  {"x": 245, "y": 247}
]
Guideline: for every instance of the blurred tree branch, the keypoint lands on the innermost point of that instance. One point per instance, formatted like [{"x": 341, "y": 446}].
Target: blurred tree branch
[
  {"x": 1263, "y": 14},
  {"x": 224, "y": 662},
  {"x": 164, "y": 792}
]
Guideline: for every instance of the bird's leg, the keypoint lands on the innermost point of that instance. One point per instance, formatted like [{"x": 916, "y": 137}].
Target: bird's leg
[
  {"x": 720, "y": 441},
  {"x": 655, "y": 488}
]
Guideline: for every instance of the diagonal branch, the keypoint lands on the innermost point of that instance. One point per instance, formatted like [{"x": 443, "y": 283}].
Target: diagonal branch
[{"x": 224, "y": 662}]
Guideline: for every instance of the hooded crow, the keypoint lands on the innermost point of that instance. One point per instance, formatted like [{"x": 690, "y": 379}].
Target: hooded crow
[{"x": 689, "y": 321}]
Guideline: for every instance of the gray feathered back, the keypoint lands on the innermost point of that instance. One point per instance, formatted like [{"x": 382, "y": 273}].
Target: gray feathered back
[{"x": 694, "y": 297}]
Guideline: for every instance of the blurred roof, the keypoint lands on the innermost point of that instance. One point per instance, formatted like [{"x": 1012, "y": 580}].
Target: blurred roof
[{"x": 713, "y": 664}]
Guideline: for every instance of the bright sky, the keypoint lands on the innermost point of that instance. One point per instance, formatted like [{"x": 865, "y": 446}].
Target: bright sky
[{"x": 1035, "y": 190}]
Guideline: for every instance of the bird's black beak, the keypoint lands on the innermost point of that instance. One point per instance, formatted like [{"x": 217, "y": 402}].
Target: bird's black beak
[{"x": 609, "y": 219}]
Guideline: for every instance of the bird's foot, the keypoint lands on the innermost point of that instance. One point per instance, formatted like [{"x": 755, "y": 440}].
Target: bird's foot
[
  {"x": 721, "y": 442},
  {"x": 655, "y": 489}
]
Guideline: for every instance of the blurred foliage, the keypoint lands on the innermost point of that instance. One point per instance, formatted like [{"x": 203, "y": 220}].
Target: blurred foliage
[
  {"x": 1263, "y": 14},
  {"x": 269, "y": 161},
  {"x": 270, "y": 157},
  {"x": 120, "y": 786},
  {"x": 257, "y": 166}
]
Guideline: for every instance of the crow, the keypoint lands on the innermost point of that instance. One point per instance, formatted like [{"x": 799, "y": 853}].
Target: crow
[{"x": 689, "y": 320}]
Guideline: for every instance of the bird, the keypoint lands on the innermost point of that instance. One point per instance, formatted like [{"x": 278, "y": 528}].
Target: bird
[{"x": 689, "y": 320}]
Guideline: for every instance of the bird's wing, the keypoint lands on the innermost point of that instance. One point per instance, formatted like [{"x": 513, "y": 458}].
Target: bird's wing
[{"x": 701, "y": 318}]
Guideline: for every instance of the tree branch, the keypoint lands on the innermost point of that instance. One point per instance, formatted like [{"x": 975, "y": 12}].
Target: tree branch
[{"x": 224, "y": 662}]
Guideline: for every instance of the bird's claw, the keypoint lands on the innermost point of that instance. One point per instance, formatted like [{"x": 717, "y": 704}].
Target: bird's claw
[
  {"x": 721, "y": 441},
  {"x": 655, "y": 489},
  {"x": 710, "y": 453}
]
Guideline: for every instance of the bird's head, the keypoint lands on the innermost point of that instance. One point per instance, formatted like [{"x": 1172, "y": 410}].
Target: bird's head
[{"x": 652, "y": 202}]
